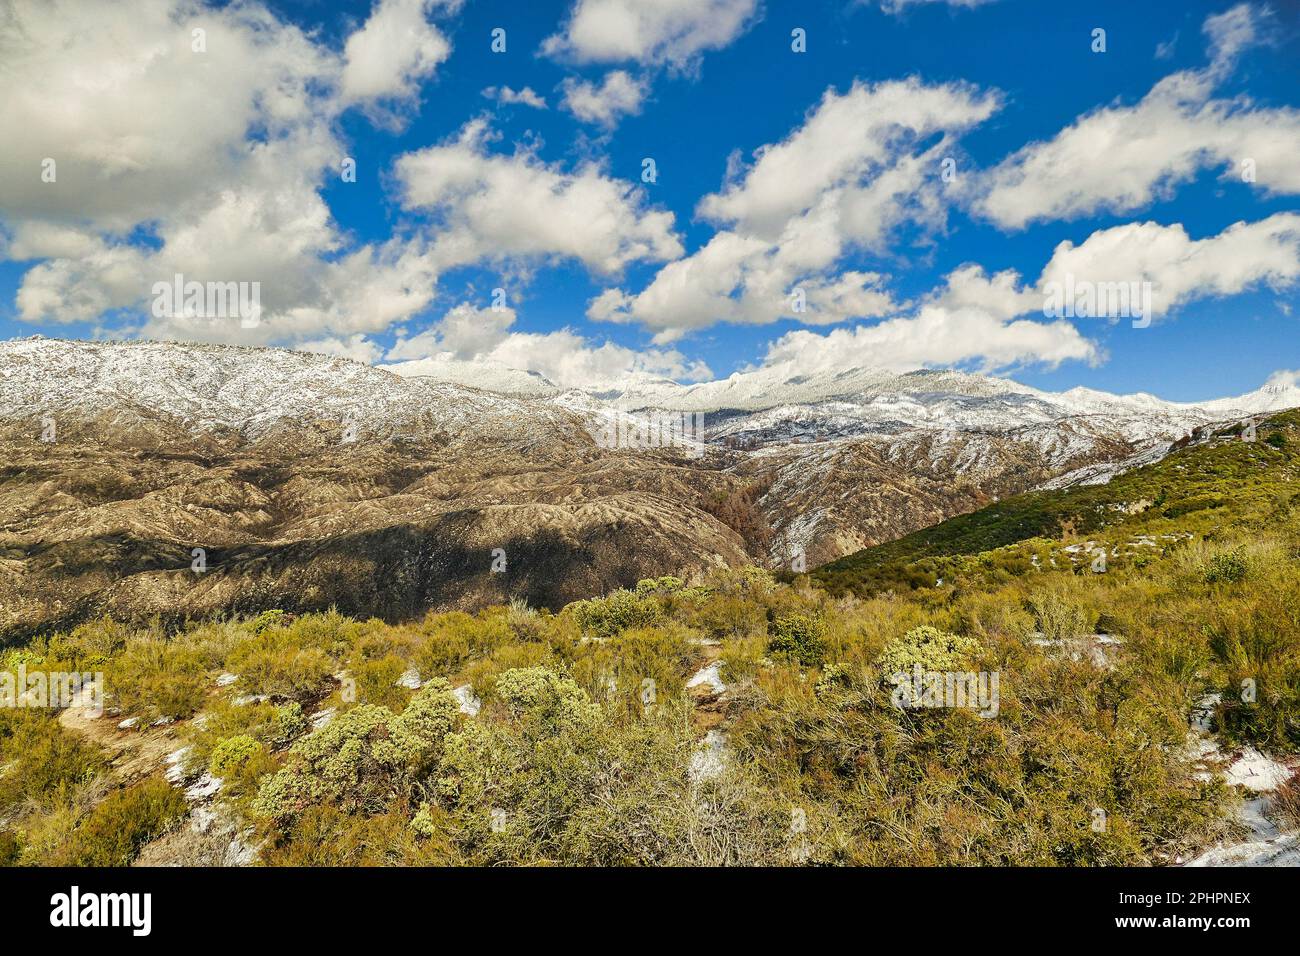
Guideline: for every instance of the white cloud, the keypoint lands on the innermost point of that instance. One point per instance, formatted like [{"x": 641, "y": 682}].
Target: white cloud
[
  {"x": 1000, "y": 295},
  {"x": 508, "y": 97},
  {"x": 898, "y": 6},
  {"x": 844, "y": 180},
  {"x": 1232, "y": 31},
  {"x": 138, "y": 123},
  {"x": 356, "y": 347},
  {"x": 973, "y": 318},
  {"x": 672, "y": 32},
  {"x": 395, "y": 49},
  {"x": 618, "y": 95},
  {"x": 490, "y": 205},
  {"x": 1182, "y": 269},
  {"x": 846, "y": 142},
  {"x": 51, "y": 240},
  {"x": 468, "y": 339},
  {"x": 988, "y": 320},
  {"x": 1121, "y": 158},
  {"x": 935, "y": 336},
  {"x": 217, "y": 156}
]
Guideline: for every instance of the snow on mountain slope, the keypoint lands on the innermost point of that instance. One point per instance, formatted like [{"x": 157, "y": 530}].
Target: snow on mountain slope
[
  {"x": 487, "y": 376},
  {"x": 210, "y": 387},
  {"x": 164, "y": 444},
  {"x": 249, "y": 390}
]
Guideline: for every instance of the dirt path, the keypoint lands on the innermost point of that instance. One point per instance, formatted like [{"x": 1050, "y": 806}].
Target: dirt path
[{"x": 133, "y": 754}]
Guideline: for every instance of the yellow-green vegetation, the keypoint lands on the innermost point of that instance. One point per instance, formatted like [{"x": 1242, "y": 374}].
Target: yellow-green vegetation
[
  {"x": 113, "y": 832},
  {"x": 589, "y": 748}
]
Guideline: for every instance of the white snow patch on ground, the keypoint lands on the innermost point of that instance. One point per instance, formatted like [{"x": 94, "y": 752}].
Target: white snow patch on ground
[
  {"x": 1099, "y": 649},
  {"x": 1265, "y": 842},
  {"x": 175, "y": 771},
  {"x": 709, "y": 677},
  {"x": 1256, "y": 772},
  {"x": 202, "y": 819},
  {"x": 204, "y": 788},
  {"x": 469, "y": 704},
  {"x": 226, "y": 679},
  {"x": 710, "y": 759}
]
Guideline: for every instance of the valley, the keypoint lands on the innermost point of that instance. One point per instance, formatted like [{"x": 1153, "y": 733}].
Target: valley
[{"x": 311, "y": 482}]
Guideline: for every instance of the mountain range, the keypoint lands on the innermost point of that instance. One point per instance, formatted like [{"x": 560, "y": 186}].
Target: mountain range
[{"x": 164, "y": 479}]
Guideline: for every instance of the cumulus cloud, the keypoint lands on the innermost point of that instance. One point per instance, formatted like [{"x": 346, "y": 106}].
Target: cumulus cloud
[
  {"x": 1121, "y": 158},
  {"x": 508, "y": 97},
  {"x": 220, "y": 156},
  {"x": 972, "y": 319},
  {"x": 394, "y": 50},
  {"x": 356, "y": 347},
  {"x": 989, "y": 321},
  {"x": 863, "y": 163},
  {"x": 469, "y": 340},
  {"x": 1181, "y": 269},
  {"x": 668, "y": 32},
  {"x": 214, "y": 151},
  {"x": 618, "y": 95},
  {"x": 138, "y": 123},
  {"x": 935, "y": 336},
  {"x": 491, "y": 205}
]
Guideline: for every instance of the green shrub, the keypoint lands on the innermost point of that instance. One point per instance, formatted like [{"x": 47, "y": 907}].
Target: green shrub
[
  {"x": 232, "y": 754},
  {"x": 555, "y": 781},
  {"x": 42, "y": 761},
  {"x": 155, "y": 678},
  {"x": 1060, "y": 617},
  {"x": 608, "y": 616},
  {"x": 665, "y": 585},
  {"x": 801, "y": 637},
  {"x": 275, "y": 665},
  {"x": 10, "y": 849},
  {"x": 453, "y": 638},
  {"x": 930, "y": 648},
  {"x": 89, "y": 646},
  {"x": 113, "y": 833},
  {"x": 267, "y": 620},
  {"x": 363, "y": 759},
  {"x": 1228, "y": 568}
]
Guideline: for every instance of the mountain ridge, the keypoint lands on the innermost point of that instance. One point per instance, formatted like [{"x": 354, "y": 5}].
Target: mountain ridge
[{"x": 313, "y": 481}]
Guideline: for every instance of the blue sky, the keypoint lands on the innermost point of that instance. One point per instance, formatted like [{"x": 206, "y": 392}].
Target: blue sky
[{"x": 197, "y": 163}]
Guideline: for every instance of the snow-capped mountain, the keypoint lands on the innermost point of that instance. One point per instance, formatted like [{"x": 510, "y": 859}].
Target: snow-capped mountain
[
  {"x": 253, "y": 391},
  {"x": 874, "y": 400},
  {"x": 312, "y": 481},
  {"x": 249, "y": 390}
]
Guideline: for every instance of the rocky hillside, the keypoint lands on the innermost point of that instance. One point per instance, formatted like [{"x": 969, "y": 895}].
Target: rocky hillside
[{"x": 146, "y": 478}]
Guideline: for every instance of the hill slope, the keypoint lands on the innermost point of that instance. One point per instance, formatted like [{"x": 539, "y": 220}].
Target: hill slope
[{"x": 1241, "y": 482}]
